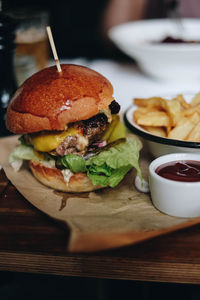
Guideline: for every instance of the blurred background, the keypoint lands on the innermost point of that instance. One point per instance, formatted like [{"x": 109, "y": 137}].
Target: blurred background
[
  {"x": 76, "y": 25},
  {"x": 80, "y": 28}
]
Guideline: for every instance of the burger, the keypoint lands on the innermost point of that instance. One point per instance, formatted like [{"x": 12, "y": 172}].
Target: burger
[{"x": 70, "y": 130}]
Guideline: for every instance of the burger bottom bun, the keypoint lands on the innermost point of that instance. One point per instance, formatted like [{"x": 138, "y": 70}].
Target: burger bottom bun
[{"x": 53, "y": 178}]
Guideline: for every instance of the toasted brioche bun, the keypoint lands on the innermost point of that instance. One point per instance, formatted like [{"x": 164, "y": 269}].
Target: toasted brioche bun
[
  {"x": 49, "y": 100},
  {"x": 53, "y": 177}
]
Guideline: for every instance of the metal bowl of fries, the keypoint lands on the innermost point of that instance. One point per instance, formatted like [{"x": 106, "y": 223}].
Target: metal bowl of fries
[
  {"x": 168, "y": 125},
  {"x": 172, "y": 61}
]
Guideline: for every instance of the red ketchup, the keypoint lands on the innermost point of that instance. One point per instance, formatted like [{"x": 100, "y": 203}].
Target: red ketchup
[{"x": 185, "y": 170}]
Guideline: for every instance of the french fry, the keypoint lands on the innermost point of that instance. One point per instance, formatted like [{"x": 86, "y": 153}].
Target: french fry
[
  {"x": 153, "y": 118},
  {"x": 181, "y": 131},
  {"x": 168, "y": 129},
  {"x": 194, "y": 135},
  {"x": 141, "y": 111},
  {"x": 155, "y": 102},
  {"x": 175, "y": 119},
  {"x": 173, "y": 107},
  {"x": 183, "y": 128},
  {"x": 160, "y": 131},
  {"x": 190, "y": 111},
  {"x": 182, "y": 101},
  {"x": 195, "y": 118},
  {"x": 195, "y": 100}
]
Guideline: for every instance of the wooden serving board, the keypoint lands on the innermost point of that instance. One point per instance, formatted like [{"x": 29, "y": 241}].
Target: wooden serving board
[
  {"x": 30, "y": 241},
  {"x": 100, "y": 220}
]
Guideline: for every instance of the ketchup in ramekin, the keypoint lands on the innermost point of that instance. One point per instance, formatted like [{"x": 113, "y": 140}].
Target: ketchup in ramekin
[
  {"x": 186, "y": 170},
  {"x": 174, "y": 181}
]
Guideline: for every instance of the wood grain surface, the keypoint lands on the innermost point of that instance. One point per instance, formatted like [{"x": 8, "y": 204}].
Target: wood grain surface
[{"x": 32, "y": 242}]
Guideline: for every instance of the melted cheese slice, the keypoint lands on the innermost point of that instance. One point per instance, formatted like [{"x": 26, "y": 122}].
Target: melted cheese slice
[{"x": 46, "y": 142}]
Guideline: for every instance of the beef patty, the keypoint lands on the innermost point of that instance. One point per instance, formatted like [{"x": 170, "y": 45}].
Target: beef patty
[{"x": 92, "y": 130}]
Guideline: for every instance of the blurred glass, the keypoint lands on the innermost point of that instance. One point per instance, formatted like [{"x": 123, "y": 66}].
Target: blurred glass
[
  {"x": 8, "y": 84},
  {"x": 32, "y": 47}
]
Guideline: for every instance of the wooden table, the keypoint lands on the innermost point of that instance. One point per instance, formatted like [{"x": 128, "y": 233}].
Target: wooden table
[{"x": 32, "y": 242}]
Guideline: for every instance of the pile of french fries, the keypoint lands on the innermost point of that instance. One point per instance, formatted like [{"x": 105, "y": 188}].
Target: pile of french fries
[{"x": 174, "y": 119}]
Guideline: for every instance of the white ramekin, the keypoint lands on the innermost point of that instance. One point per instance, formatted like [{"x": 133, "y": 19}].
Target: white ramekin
[{"x": 175, "y": 198}]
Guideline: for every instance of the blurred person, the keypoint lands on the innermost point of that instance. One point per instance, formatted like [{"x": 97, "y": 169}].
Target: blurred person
[
  {"x": 120, "y": 11},
  {"x": 189, "y": 8},
  {"x": 115, "y": 13}
]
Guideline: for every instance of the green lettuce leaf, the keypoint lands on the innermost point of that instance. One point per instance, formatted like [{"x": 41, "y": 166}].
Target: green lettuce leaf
[
  {"x": 74, "y": 162},
  {"x": 123, "y": 154},
  {"x": 115, "y": 176},
  {"x": 110, "y": 166},
  {"x": 104, "y": 169},
  {"x": 23, "y": 152},
  {"x": 98, "y": 179},
  {"x": 20, "y": 153}
]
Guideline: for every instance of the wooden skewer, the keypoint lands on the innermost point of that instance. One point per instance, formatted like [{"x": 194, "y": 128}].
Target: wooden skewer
[{"x": 53, "y": 48}]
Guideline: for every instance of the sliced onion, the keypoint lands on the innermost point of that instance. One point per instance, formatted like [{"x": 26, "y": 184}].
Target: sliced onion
[{"x": 102, "y": 144}]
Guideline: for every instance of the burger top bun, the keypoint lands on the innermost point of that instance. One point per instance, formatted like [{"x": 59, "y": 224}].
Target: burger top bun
[{"x": 49, "y": 100}]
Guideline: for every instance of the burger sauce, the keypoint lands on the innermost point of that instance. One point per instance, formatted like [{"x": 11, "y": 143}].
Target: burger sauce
[{"x": 187, "y": 171}]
